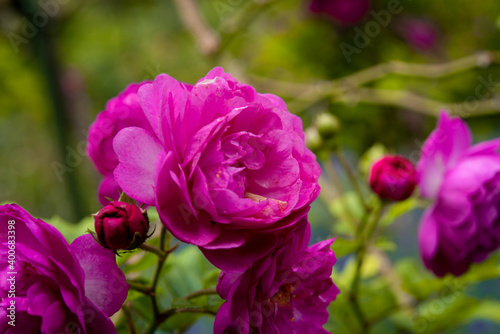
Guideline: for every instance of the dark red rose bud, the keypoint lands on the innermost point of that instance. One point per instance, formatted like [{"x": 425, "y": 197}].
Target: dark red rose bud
[
  {"x": 120, "y": 225},
  {"x": 393, "y": 178}
]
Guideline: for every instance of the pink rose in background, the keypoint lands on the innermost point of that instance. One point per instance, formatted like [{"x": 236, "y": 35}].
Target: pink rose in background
[
  {"x": 121, "y": 112},
  {"x": 288, "y": 291},
  {"x": 419, "y": 33},
  {"x": 463, "y": 224},
  {"x": 58, "y": 287},
  {"x": 393, "y": 177},
  {"x": 344, "y": 11},
  {"x": 223, "y": 164}
]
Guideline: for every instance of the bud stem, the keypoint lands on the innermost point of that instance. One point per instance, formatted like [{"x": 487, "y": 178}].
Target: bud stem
[
  {"x": 140, "y": 288},
  {"x": 155, "y": 250},
  {"x": 200, "y": 293},
  {"x": 352, "y": 177}
]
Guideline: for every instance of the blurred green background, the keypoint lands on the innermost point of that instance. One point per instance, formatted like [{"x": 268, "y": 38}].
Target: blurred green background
[{"x": 60, "y": 61}]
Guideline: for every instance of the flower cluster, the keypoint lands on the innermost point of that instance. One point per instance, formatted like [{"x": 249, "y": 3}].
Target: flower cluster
[
  {"x": 462, "y": 225},
  {"x": 54, "y": 287},
  {"x": 288, "y": 290},
  {"x": 228, "y": 171}
]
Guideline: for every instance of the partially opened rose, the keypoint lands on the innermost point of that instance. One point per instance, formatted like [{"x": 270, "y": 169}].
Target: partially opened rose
[
  {"x": 287, "y": 291},
  {"x": 463, "y": 180},
  {"x": 48, "y": 286},
  {"x": 224, "y": 165}
]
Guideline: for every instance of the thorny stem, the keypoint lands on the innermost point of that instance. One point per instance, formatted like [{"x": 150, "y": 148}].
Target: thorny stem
[
  {"x": 152, "y": 249},
  {"x": 163, "y": 251},
  {"x": 349, "y": 89}
]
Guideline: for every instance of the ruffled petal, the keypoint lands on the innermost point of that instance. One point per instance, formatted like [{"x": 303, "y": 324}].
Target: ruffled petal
[
  {"x": 441, "y": 150},
  {"x": 137, "y": 151},
  {"x": 428, "y": 237},
  {"x": 176, "y": 209}
]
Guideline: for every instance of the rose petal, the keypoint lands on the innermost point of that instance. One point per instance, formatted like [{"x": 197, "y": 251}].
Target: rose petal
[
  {"x": 447, "y": 142},
  {"x": 108, "y": 188},
  {"x": 176, "y": 210},
  {"x": 105, "y": 283},
  {"x": 137, "y": 152}
]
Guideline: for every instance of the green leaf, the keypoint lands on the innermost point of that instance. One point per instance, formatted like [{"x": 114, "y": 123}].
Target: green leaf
[
  {"x": 486, "y": 270},
  {"x": 398, "y": 209},
  {"x": 444, "y": 313},
  {"x": 343, "y": 247},
  {"x": 71, "y": 231},
  {"x": 487, "y": 310},
  {"x": 342, "y": 207},
  {"x": 372, "y": 154},
  {"x": 385, "y": 244},
  {"x": 421, "y": 283}
]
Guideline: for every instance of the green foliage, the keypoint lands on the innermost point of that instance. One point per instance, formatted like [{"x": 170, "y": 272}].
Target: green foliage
[
  {"x": 185, "y": 272},
  {"x": 71, "y": 231}
]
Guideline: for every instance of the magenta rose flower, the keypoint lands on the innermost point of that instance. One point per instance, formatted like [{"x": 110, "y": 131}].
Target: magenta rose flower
[
  {"x": 343, "y": 11},
  {"x": 393, "y": 177},
  {"x": 48, "y": 286},
  {"x": 121, "y": 112},
  {"x": 463, "y": 224},
  {"x": 224, "y": 165},
  {"x": 287, "y": 291}
]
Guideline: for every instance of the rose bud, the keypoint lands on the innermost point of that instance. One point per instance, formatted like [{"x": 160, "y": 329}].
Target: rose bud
[
  {"x": 328, "y": 125},
  {"x": 393, "y": 178},
  {"x": 120, "y": 225}
]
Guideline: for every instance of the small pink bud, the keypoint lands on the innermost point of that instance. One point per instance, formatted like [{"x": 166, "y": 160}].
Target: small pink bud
[
  {"x": 393, "y": 177},
  {"x": 121, "y": 225}
]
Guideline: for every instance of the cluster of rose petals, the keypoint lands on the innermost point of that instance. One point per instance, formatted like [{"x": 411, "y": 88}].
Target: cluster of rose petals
[
  {"x": 223, "y": 164},
  {"x": 393, "y": 177},
  {"x": 59, "y": 288},
  {"x": 287, "y": 291},
  {"x": 343, "y": 11},
  {"x": 120, "y": 112},
  {"x": 463, "y": 224}
]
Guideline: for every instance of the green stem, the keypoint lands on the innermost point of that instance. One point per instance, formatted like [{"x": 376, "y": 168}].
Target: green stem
[
  {"x": 140, "y": 288},
  {"x": 200, "y": 293},
  {"x": 128, "y": 318},
  {"x": 164, "y": 250},
  {"x": 334, "y": 180},
  {"x": 352, "y": 177},
  {"x": 170, "y": 312},
  {"x": 239, "y": 23},
  {"x": 152, "y": 249},
  {"x": 368, "y": 228}
]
